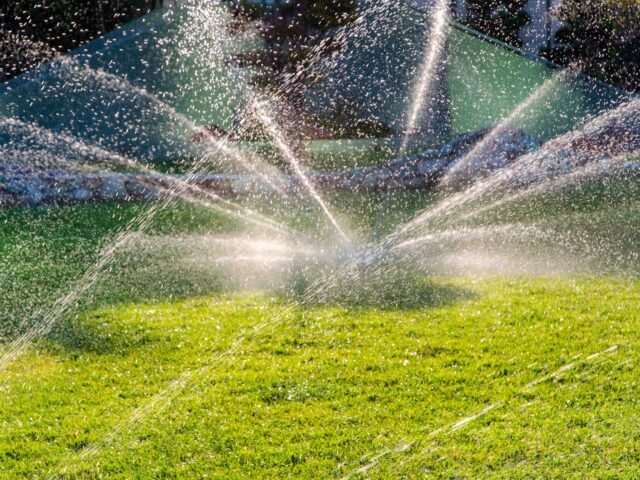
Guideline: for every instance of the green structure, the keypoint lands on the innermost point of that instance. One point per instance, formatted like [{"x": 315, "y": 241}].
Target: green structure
[
  {"x": 480, "y": 81},
  {"x": 142, "y": 89},
  {"x": 489, "y": 81}
]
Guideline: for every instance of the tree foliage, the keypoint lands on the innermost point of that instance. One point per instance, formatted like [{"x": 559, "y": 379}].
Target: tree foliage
[
  {"x": 295, "y": 34},
  {"x": 601, "y": 38},
  {"x": 34, "y": 30},
  {"x": 502, "y": 19}
]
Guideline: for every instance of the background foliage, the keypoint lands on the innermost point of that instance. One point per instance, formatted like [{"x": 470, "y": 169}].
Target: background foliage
[
  {"x": 601, "y": 38},
  {"x": 34, "y": 30},
  {"x": 502, "y": 19},
  {"x": 295, "y": 34}
]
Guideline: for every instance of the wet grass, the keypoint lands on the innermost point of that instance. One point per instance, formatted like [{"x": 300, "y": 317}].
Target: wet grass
[
  {"x": 329, "y": 389},
  {"x": 474, "y": 377},
  {"x": 44, "y": 250}
]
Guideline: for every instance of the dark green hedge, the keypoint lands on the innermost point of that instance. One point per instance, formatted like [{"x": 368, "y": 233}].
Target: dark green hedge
[
  {"x": 33, "y": 30},
  {"x": 601, "y": 38}
]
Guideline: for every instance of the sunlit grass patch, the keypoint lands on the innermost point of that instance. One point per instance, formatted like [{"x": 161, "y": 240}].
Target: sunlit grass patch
[{"x": 328, "y": 388}]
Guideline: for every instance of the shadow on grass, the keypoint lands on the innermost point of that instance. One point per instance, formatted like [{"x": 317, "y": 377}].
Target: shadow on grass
[
  {"x": 46, "y": 249},
  {"x": 397, "y": 288},
  {"x": 141, "y": 286},
  {"x": 45, "y": 252},
  {"x": 388, "y": 291}
]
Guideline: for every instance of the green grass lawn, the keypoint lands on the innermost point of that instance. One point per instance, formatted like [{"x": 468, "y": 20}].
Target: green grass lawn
[
  {"x": 496, "y": 376},
  {"x": 327, "y": 390}
]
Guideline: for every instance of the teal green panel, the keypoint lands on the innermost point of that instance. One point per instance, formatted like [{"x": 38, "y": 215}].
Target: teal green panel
[
  {"x": 489, "y": 83},
  {"x": 377, "y": 69},
  {"x": 141, "y": 89}
]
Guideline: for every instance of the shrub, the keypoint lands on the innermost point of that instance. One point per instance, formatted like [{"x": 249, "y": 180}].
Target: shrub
[
  {"x": 33, "y": 31},
  {"x": 502, "y": 19},
  {"x": 601, "y": 38}
]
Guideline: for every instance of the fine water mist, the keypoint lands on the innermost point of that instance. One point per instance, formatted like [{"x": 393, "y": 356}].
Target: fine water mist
[{"x": 563, "y": 206}]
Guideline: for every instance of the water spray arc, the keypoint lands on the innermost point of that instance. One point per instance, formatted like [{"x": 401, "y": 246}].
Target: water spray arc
[
  {"x": 346, "y": 267},
  {"x": 421, "y": 97},
  {"x": 482, "y": 150},
  {"x": 551, "y": 161},
  {"x": 279, "y": 138},
  {"x": 182, "y": 188}
]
